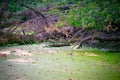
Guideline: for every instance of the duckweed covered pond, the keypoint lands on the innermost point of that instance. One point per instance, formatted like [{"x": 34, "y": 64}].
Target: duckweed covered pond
[{"x": 36, "y": 62}]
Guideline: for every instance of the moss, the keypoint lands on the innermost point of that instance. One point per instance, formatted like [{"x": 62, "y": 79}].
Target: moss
[{"x": 61, "y": 63}]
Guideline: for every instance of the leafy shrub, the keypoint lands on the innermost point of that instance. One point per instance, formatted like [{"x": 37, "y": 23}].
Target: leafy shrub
[{"x": 94, "y": 13}]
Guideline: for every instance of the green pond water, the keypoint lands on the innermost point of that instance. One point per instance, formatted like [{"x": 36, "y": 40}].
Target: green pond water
[{"x": 36, "y": 62}]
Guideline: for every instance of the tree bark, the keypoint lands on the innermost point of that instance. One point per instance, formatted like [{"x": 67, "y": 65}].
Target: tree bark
[
  {"x": 102, "y": 39},
  {"x": 59, "y": 45},
  {"x": 2, "y": 9}
]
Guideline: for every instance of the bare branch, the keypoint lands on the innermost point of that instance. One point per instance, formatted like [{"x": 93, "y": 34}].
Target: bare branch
[
  {"x": 36, "y": 12},
  {"x": 2, "y": 9}
]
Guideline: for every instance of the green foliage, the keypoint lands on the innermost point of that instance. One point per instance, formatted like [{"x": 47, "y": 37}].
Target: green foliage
[
  {"x": 15, "y": 4},
  {"x": 94, "y": 13},
  {"x": 88, "y": 13}
]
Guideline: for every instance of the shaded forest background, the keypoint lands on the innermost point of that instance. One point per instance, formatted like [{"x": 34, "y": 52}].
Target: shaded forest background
[{"x": 93, "y": 23}]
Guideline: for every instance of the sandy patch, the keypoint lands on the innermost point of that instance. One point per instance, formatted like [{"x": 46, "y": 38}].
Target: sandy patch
[
  {"x": 17, "y": 52},
  {"x": 20, "y": 52},
  {"x": 90, "y": 54},
  {"x": 20, "y": 60}
]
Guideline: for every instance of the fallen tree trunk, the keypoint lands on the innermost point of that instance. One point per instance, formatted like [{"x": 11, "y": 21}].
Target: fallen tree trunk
[
  {"x": 9, "y": 38},
  {"x": 101, "y": 39},
  {"x": 59, "y": 45},
  {"x": 8, "y": 24}
]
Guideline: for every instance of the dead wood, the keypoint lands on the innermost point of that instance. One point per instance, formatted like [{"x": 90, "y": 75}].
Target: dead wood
[
  {"x": 33, "y": 10},
  {"x": 100, "y": 38},
  {"x": 78, "y": 33},
  {"x": 59, "y": 45},
  {"x": 8, "y": 24},
  {"x": 36, "y": 12}
]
